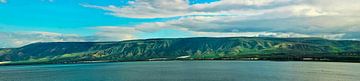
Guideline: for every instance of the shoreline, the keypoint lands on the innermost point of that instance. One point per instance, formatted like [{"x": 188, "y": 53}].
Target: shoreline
[{"x": 94, "y": 62}]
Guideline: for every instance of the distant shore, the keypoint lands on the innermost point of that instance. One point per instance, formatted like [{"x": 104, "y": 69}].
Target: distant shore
[{"x": 8, "y": 63}]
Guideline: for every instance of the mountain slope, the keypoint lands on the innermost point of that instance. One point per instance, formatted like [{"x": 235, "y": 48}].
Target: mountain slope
[{"x": 202, "y": 47}]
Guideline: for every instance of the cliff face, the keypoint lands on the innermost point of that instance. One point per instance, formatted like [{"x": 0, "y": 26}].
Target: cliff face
[{"x": 172, "y": 48}]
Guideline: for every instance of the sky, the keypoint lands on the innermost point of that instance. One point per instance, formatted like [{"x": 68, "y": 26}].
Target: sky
[{"x": 28, "y": 21}]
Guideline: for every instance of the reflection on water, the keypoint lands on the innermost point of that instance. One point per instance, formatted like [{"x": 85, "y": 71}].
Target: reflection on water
[{"x": 186, "y": 71}]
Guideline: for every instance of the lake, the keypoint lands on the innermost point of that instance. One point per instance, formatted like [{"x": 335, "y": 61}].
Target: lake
[{"x": 186, "y": 71}]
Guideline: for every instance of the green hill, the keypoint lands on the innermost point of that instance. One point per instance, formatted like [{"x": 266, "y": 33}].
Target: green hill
[{"x": 171, "y": 48}]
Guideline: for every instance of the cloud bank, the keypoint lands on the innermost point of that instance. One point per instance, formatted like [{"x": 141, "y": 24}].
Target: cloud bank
[
  {"x": 23, "y": 38},
  {"x": 18, "y": 39},
  {"x": 332, "y": 19}
]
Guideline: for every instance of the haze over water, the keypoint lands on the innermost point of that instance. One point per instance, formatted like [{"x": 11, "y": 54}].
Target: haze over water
[{"x": 186, "y": 71}]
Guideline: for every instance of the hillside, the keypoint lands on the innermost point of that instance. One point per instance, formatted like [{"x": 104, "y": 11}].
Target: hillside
[{"x": 197, "y": 48}]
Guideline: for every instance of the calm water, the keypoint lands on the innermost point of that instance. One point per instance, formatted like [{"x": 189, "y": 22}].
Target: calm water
[{"x": 186, "y": 71}]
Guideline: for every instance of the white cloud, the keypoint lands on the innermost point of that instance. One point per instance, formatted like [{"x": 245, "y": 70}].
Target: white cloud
[
  {"x": 264, "y": 34},
  {"x": 18, "y": 39},
  {"x": 333, "y": 19},
  {"x": 117, "y": 33},
  {"x": 148, "y": 8},
  {"x": 22, "y": 38},
  {"x": 174, "y": 8},
  {"x": 214, "y": 27}
]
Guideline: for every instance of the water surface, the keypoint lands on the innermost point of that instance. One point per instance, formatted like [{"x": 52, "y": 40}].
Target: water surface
[{"x": 186, "y": 71}]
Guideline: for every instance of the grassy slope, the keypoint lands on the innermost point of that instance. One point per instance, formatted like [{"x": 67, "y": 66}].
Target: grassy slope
[{"x": 200, "y": 48}]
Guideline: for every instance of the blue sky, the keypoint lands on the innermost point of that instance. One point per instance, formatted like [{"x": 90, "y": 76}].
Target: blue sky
[
  {"x": 64, "y": 16},
  {"x": 27, "y": 21},
  {"x": 61, "y": 16}
]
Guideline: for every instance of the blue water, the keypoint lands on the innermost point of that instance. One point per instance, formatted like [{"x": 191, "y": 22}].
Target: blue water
[{"x": 186, "y": 71}]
